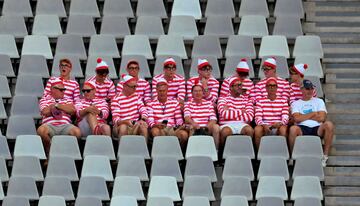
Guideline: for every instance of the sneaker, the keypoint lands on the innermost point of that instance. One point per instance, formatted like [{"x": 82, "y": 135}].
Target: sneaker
[{"x": 324, "y": 160}]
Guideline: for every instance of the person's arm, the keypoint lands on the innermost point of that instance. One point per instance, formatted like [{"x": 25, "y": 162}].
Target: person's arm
[
  {"x": 147, "y": 93},
  {"x": 224, "y": 91},
  {"x": 142, "y": 110},
  {"x": 178, "y": 117},
  {"x": 188, "y": 90},
  {"x": 181, "y": 91},
  {"x": 111, "y": 92},
  {"x": 225, "y": 112},
  {"x": 151, "y": 117},
  {"x": 302, "y": 117},
  {"x": 285, "y": 113},
  {"x": 67, "y": 108},
  {"x": 320, "y": 116},
  {"x": 248, "y": 114},
  {"x": 214, "y": 93},
  {"x": 76, "y": 94}
]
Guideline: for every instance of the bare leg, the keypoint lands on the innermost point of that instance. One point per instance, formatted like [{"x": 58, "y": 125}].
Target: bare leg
[
  {"x": 157, "y": 132},
  {"x": 214, "y": 130},
  {"x": 282, "y": 131},
  {"x": 75, "y": 131},
  {"x": 224, "y": 133},
  {"x": 293, "y": 133},
  {"x": 326, "y": 130},
  {"x": 247, "y": 130},
  {"x": 92, "y": 120},
  {"x": 43, "y": 132},
  {"x": 183, "y": 137},
  {"x": 259, "y": 132}
]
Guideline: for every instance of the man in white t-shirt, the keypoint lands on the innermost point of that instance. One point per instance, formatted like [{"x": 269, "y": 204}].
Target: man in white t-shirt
[{"x": 309, "y": 114}]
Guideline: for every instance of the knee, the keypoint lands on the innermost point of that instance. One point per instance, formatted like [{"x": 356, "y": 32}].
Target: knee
[
  {"x": 294, "y": 130},
  {"x": 155, "y": 132},
  {"x": 328, "y": 126},
  {"x": 258, "y": 129},
  {"x": 183, "y": 135},
  {"x": 248, "y": 131},
  {"x": 75, "y": 132},
  {"x": 226, "y": 131}
]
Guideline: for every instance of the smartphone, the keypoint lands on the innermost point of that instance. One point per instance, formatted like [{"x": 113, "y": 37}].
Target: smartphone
[{"x": 164, "y": 122}]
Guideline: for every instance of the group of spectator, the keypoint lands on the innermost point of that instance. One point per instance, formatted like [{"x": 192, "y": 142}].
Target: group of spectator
[{"x": 182, "y": 108}]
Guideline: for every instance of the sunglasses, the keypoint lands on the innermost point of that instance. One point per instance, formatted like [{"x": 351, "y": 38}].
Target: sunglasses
[
  {"x": 271, "y": 85},
  {"x": 307, "y": 88},
  {"x": 86, "y": 90},
  {"x": 206, "y": 69},
  {"x": 64, "y": 65},
  {"x": 60, "y": 89},
  {"x": 133, "y": 68},
  {"x": 132, "y": 87},
  {"x": 102, "y": 72},
  {"x": 266, "y": 69},
  {"x": 243, "y": 73},
  {"x": 236, "y": 85},
  {"x": 170, "y": 68}
]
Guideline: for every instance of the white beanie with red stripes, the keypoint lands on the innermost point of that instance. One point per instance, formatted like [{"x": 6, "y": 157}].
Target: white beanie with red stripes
[
  {"x": 169, "y": 61},
  {"x": 270, "y": 62},
  {"x": 101, "y": 64},
  {"x": 243, "y": 66},
  {"x": 127, "y": 78},
  {"x": 300, "y": 69},
  {"x": 202, "y": 63}
]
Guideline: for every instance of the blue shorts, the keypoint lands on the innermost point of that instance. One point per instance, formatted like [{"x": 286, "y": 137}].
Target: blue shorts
[{"x": 309, "y": 130}]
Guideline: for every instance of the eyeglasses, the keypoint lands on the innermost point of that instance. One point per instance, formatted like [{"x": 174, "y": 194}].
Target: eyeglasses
[
  {"x": 206, "y": 69},
  {"x": 271, "y": 85},
  {"x": 170, "y": 68},
  {"x": 132, "y": 87},
  {"x": 292, "y": 72},
  {"x": 133, "y": 68},
  {"x": 86, "y": 90},
  {"x": 64, "y": 65},
  {"x": 60, "y": 89},
  {"x": 236, "y": 85},
  {"x": 243, "y": 73},
  {"x": 307, "y": 88},
  {"x": 102, "y": 72},
  {"x": 266, "y": 69}
]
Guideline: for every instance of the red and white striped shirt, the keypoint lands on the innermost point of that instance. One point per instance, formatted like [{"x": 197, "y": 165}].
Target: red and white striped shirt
[
  {"x": 72, "y": 91},
  {"x": 142, "y": 89},
  {"x": 246, "y": 84},
  {"x": 283, "y": 89},
  {"x": 169, "y": 111},
  {"x": 104, "y": 90},
  {"x": 201, "y": 113},
  {"x": 213, "y": 86},
  {"x": 295, "y": 92},
  {"x": 269, "y": 112},
  {"x": 100, "y": 104},
  {"x": 48, "y": 100},
  {"x": 239, "y": 109},
  {"x": 127, "y": 108},
  {"x": 176, "y": 89}
]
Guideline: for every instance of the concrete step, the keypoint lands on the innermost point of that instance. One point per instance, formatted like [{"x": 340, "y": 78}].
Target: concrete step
[
  {"x": 341, "y": 48},
  {"x": 344, "y": 161},
  {"x": 347, "y": 139},
  {"x": 342, "y": 171},
  {"x": 331, "y": 26},
  {"x": 334, "y": 68},
  {"x": 342, "y": 191},
  {"x": 342, "y": 201},
  {"x": 342, "y": 149},
  {"x": 341, "y": 58},
  {"x": 343, "y": 98},
  {"x": 341, "y": 108},
  {"x": 343, "y": 78},
  {"x": 337, "y": 37},
  {"x": 340, "y": 88},
  {"x": 331, "y": 6},
  {"x": 342, "y": 181}
]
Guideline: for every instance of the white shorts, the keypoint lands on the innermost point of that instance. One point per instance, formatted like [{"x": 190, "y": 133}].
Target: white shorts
[
  {"x": 235, "y": 127},
  {"x": 84, "y": 128}
]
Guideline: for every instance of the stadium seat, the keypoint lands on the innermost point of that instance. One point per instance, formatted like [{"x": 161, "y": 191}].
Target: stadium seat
[
  {"x": 51, "y": 200},
  {"x": 37, "y": 45},
  {"x": 270, "y": 186},
  {"x": 17, "y": 8},
  {"x": 219, "y": 26},
  {"x": 254, "y": 7},
  {"x": 206, "y": 46},
  {"x": 80, "y": 25},
  {"x": 133, "y": 145},
  {"x": 254, "y": 26},
  {"x": 29, "y": 145},
  {"x": 93, "y": 187},
  {"x": 166, "y": 146},
  {"x": 4, "y": 148},
  {"x": 25, "y": 105},
  {"x": 48, "y": 25},
  {"x": 58, "y": 186},
  {"x": 128, "y": 186},
  {"x": 29, "y": 85},
  {"x": 270, "y": 201},
  {"x": 186, "y": 8},
  {"x": 13, "y": 25},
  {"x": 273, "y": 146},
  {"x": 59, "y": 166},
  {"x": 314, "y": 65},
  {"x": 307, "y": 146},
  {"x": 123, "y": 200},
  {"x": 237, "y": 186},
  {"x": 201, "y": 146},
  {"x": 6, "y": 68},
  {"x": 99, "y": 145},
  {"x": 76, "y": 71},
  {"x": 27, "y": 166},
  {"x": 150, "y": 26},
  {"x": 196, "y": 201},
  {"x": 234, "y": 201},
  {"x": 288, "y": 26},
  {"x": 200, "y": 166},
  {"x": 184, "y": 26},
  {"x": 213, "y": 62},
  {"x": 220, "y": 8},
  {"x": 171, "y": 45},
  {"x": 308, "y": 166},
  {"x": 97, "y": 166},
  {"x": 15, "y": 201},
  {"x": 159, "y": 201},
  {"x": 4, "y": 175},
  {"x": 238, "y": 146},
  {"x": 308, "y": 45},
  {"x": 116, "y": 26},
  {"x": 316, "y": 81},
  {"x": 132, "y": 166},
  {"x": 273, "y": 166},
  {"x": 88, "y": 201},
  {"x": 4, "y": 89},
  {"x": 51, "y": 7},
  {"x": 163, "y": 186},
  {"x": 23, "y": 187},
  {"x": 274, "y": 45},
  {"x": 282, "y": 68},
  {"x": 71, "y": 45},
  {"x": 65, "y": 146},
  {"x": 305, "y": 201},
  {"x": 289, "y": 8},
  {"x": 240, "y": 46},
  {"x": 166, "y": 166},
  {"x": 198, "y": 186},
  {"x": 84, "y": 7},
  {"x": 103, "y": 45},
  {"x": 34, "y": 65},
  {"x": 20, "y": 125},
  {"x": 143, "y": 64},
  {"x": 306, "y": 186},
  {"x": 137, "y": 45},
  {"x": 118, "y": 8},
  {"x": 2, "y": 195},
  {"x": 231, "y": 64},
  {"x": 238, "y": 167},
  {"x": 3, "y": 114},
  {"x": 159, "y": 66},
  {"x": 8, "y": 45},
  {"x": 151, "y": 8}
]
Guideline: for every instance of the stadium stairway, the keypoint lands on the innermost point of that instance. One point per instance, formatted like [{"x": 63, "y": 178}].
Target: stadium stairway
[{"x": 338, "y": 24}]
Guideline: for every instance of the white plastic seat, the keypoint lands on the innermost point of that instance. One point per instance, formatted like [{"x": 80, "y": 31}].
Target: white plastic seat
[
  {"x": 4, "y": 175},
  {"x": 38, "y": 45},
  {"x": 84, "y": 7},
  {"x": 17, "y": 8},
  {"x": 29, "y": 85},
  {"x": 143, "y": 64},
  {"x": 29, "y": 145},
  {"x": 103, "y": 45},
  {"x": 48, "y": 25},
  {"x": 99, "y": 145},
  {"x": 132, "y": 166},
  {"x": 213, "y": 62},
  {"x": 116, "y": 26},
  {"x": 184, "y": 26},
  {"x": 206, "y": 46},
  {"x": 241, "y": 46},
  {"x": 13, "y": 25},
  {"x": 273, "y": 146},
  {"x": 27, "y": 166},
  {"x": 76, "y": 71},
  {"x": 308, "y": 45},
  {"x": 88, "y": 201},
  {"x": 201, "y": 146},
  {"x": 15, "y": 201},
  {"x": 133, "y": 145},
  {"x": 128, "y": 186},
  {"x": 92, "y": 62},
  {"x": 273, "y": 166},
  {"x": 51, "y": 7},
  {"x": 220, "y": 8},
  {"x": 220, "y": 26},
  {"x": 171, "y": 45},
  {"x": 8, "y": 46},
  {"x": 118, "y": 8},
  {"x": 186, "y": 8},
  {"x": 305, "y": 201},
  {"x": 150, "y": 26},
  {"x": 4, "y": 148},
  {"x": 159, "y": 201},
  {"x": 237, "y": 186},
  {"x": 270, "y": 201},
  {"x": 200, "y": 166},
  {"x": 58, "y": 186},
  {"x": 151, "y": 8},
  {"x": 26, "y": 106},
  {"x": 306, "y": 186},
  {"x": 167, "y": 146},
  {"x": 288, "y": 26},
  {"x": 198, "y": 186},
  {"x": 80, "y": 25},
  {"x": 307, "y": 146},
  {"x": 289, "y": 8},
  {"x": 23, "y": 187},
  {"x": 234, "y": 201},
  {"x": 65, "y": 146},
  {"x": 34, "y": 65},
  {"x": 316, "y": 81},
  {"x": 123, "y": 200},
  {"x": 159, "y": 67},
  {"x": 282, "y": 69},
  {"x": 51, "y": 200},
  {"x": 238, "y": 167},
  {"x": 254, "y": 26},
  {"x": 4, "y": 89},
  {"x": 270, "y": 186},
  {"x": 20, "y": 125},
  {"x": 314, "y": 65},
  {"x": 97, "y": 166},
  {"x": 6, "y": 66},
  {"x": 308, "y": 166},
  {"x": 3, "y": 114},
  {"x": 254, "y": 7},
  {"x": 238, "y": 146},
  {"x": 274, "y": 45},
  {"x": 231, "y": 64},
  {"x": 62, "y": 167},
  {"x": 93, "y": 187},
  {"x": 137, "y": 45},
  {"x": 166, "y": 166},
  {"x": 196, "y": 201},
  {"x": 164, "y": 186},
  {"x": 71, "y": 45}
]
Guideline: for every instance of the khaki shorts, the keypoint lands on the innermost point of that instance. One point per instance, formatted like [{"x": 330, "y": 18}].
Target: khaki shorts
[
  {"x": 59, "y": 130},
  {"x": 131, "y": 131}
]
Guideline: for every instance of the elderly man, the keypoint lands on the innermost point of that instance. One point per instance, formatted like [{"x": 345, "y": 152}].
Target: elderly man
[
  {"x": 176, "y": 83},
  {"x": 199, "y": 114},
  {"x": 165, "y": 116},
  {"x": 128, "y": 111},
  {"x": 142, "y": 87},
  {"x": 236, "y": 111},
  {"x": 92, "y": 112},
  {"x": 72, "y": 87},
  {"x": 56, "y": 111},
  {"x": 297, "y": 77},
  {"x": 242, "y": 72},
  {"x": 271, "y": 113},
  {"x": 208, "y": 82},
  {"x": 105, "y": 88},
  {"x": 283, "y": 87},
  {"x": 309, "y": 114}
]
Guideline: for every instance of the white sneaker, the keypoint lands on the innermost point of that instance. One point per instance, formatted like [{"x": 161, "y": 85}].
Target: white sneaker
[{"x": 324, "y": 159}]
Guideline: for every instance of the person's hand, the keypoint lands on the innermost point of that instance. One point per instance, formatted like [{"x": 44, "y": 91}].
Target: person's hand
[
  {"x": 195, "y": 125},
  {"x": 127, "y": 122},
  {"x": 276, "y": 125},
  {"x": 160, "y": 126},
  {"x": 204, "y": 82},
  {"x": 94, "y": 110},
  {"x": 267, "y": 129},
  {"x": 141, "y": 123}
]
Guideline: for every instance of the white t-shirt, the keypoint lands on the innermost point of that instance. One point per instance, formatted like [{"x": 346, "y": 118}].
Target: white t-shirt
[{"x": 305, "y": 107}]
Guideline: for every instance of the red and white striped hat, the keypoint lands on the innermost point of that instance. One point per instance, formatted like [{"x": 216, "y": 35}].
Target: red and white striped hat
[
  {"x": 56, "y": 81},
  {"x": 127, "y": 78},
  {"x": 161, "y": 81},
  {"x": 202, "y": 63},
  {"x": 271, "y": 79},
  {"x": 233, "y": 80},
  {"x": 197, "y": 83},
  {"x": 300, "y": 69},
  {"x": 270, "y": 62},
  {"x": 101, "y": 64},
  {"x": 243, "y": 66},
  {"x": 90, "y": 84},
  {"x": 169, "y": 61}
]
